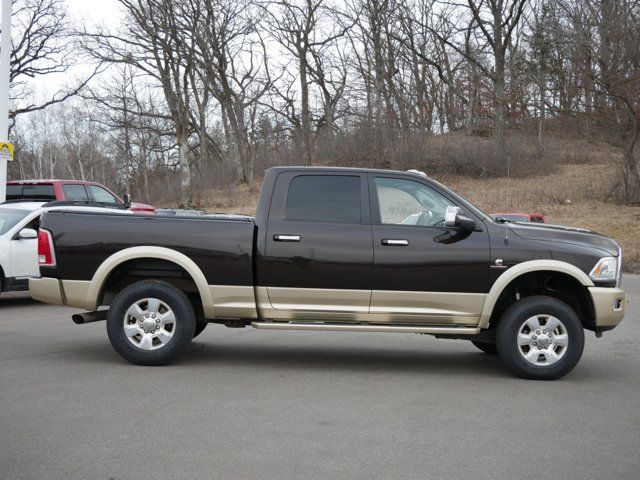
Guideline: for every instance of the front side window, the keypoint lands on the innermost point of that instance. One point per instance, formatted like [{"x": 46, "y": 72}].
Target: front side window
[
  {"x": 406, "y": 202},
  {"x": 75, "y": 193},
  {"x": 101, "y": 195},
  {"x": 324, "y": 198},
  {"x": 9, "y": 218}
]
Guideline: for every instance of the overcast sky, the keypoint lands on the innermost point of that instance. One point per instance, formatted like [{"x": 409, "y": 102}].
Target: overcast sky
[{"x": 94, "y": 11}]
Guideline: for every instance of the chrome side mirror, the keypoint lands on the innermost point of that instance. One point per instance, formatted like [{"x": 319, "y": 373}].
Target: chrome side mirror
[
  {"x": 127, "y": 201},
  {"x": 453, "y": 217},
  {"x": 27, "y": 233}
]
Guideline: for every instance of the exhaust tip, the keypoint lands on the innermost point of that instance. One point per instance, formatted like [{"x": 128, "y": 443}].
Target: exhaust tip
[{"x": 77, "y": 318}]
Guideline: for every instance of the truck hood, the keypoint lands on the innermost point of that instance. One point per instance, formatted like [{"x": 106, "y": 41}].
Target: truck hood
[{"x": 559, "y": 233}]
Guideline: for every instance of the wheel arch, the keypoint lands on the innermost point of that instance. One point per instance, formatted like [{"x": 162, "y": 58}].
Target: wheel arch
[
  {"x": 520, "y": 271},
  {"x": 100, "y": 278}
]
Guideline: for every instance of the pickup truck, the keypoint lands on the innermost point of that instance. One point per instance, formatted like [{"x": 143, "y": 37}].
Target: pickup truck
[
  {"x": 71, "y": 191},
  {"x": 329, "y": 250}
]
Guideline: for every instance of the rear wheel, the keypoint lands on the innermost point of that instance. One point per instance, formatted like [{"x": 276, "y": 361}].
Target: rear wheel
[
  {"x": 540, "y": 338},
  {"x": 150, "y": 322}
]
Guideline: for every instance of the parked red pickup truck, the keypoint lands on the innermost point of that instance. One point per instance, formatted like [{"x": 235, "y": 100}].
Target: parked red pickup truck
[{"x": 71, "y": 190}]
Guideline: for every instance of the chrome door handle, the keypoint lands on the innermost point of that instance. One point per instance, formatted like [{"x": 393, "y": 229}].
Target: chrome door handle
[
  {"x": 395, "y": 242},
  {"x": 286, "y": 238}
]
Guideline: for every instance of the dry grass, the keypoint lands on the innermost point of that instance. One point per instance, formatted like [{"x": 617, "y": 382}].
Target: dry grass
[
  {"x": 567, "y": 197},
  {"x": 572, "y": 195}
]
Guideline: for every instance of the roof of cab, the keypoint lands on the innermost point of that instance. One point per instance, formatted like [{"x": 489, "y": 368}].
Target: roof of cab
[{"x": 414, "y": 172}]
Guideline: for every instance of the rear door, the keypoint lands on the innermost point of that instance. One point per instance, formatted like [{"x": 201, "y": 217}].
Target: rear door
[
  {"x": 424, "y": 272},
  {"x": 318, "y": 252}
]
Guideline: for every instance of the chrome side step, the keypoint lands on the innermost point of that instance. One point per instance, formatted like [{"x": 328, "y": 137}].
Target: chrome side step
[{"x": 336, "y": 327}]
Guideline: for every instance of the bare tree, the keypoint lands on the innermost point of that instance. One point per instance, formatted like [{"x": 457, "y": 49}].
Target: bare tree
[{"x": 43, "y": 43}]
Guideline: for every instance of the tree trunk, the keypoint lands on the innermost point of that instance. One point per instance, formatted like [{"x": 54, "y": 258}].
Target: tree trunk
[
  {"x": 305, "y": 111},
  {"x": 499, "y": 142},
  {"x": 185, "y": 169}
]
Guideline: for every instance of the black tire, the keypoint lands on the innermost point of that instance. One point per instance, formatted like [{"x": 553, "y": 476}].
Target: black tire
[
  {"x": 489, "y": 348},
  {"x": 513, "y": 320},
  {"x": 177, "y": 301}
]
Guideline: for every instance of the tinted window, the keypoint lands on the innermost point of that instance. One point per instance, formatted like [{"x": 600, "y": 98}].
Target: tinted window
[
  {"x": 324, "y": 198},
  {"x": 75, "y": 192},
  {"x": 406, "y": 202},
  {"x": 101, "y": 195},
  {"x": 34, "y": 192}
]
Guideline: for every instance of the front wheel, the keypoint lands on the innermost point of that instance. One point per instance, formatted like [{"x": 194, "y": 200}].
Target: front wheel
[
  {"x": 150, "y": 322},
  {"x": 540, "y": 338},
  {"x": 489, "y": 348}
]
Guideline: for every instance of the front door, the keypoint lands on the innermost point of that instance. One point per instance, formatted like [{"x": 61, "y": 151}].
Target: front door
[
  {"x": 24, "y": 252},
  {"x": 424, "y": 272},
  {"x": 318, "y": 257}
]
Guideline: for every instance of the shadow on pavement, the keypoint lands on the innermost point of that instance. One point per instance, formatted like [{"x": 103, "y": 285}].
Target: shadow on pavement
[{"x": 317, "y": 358}]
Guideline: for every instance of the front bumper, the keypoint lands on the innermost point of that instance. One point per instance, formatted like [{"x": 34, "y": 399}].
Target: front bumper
[
  {"x": 47, "y": 290},
  {"x": 610, "y": 305}
]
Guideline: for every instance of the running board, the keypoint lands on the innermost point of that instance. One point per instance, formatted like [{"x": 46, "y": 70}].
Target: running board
[{"x": 366, "y": 328}]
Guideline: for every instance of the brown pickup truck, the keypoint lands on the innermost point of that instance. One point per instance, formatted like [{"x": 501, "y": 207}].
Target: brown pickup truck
[{"x": 337, "y": 249}]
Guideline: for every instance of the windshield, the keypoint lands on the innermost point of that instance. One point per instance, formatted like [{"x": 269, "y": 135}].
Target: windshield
[{"x": 9, "y": 218}]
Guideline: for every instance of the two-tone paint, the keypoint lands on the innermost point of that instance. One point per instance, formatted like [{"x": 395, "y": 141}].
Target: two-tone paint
[{"x": 280, "y": 270}]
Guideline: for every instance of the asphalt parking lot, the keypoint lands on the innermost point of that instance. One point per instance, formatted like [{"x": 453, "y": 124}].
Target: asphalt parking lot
[{"x": 249, "y": 404}]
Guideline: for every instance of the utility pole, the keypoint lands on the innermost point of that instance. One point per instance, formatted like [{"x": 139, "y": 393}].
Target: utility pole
[{"x": 5, "y": 55}]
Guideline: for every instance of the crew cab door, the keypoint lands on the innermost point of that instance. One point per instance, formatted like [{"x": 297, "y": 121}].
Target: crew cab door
[
  {"x": 424, "y": 272},
  {"x": 318, "y": 254}
]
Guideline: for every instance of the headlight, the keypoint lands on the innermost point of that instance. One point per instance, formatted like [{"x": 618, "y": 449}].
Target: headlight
[{"x": 606, "y": 270}]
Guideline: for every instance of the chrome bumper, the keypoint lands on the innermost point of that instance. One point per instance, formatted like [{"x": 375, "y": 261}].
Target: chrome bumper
[{"x": 610, "y": 305}]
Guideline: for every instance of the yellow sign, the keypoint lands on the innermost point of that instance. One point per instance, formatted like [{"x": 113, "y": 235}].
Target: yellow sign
[{"x": 6, "y": 151}]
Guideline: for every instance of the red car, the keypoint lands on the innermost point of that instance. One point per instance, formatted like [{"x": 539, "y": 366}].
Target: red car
[
  {"x": 520, "y": 217},
  {"x": 71, "y": 190}
]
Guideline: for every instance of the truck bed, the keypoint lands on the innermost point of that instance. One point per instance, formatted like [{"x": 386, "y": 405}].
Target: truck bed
[{"x": 221, "y": 245}]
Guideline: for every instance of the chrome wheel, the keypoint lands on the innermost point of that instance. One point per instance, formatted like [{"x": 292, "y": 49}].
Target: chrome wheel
[
  {"x": 542, "y": 340},
  {"x": 149, "y": 324}
]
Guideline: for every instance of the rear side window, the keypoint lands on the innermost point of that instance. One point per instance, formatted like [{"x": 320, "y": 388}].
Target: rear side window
[
  {"x": 324, "y": 198},
  {"x": 32, "y": 192},
  {"x": 75, "y": 193}
]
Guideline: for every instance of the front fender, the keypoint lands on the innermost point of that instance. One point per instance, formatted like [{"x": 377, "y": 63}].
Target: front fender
[{"x": 520, "y": 269}]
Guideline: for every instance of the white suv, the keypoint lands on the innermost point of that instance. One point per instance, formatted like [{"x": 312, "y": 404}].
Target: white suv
[{"x": 19, "y": 224}]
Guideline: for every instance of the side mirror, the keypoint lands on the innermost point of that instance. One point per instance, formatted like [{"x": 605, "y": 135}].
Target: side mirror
[
  {"x": 453, "y": 217},
  {"x": 27, "y": 233},
  {"x": 127, "y": 201}
]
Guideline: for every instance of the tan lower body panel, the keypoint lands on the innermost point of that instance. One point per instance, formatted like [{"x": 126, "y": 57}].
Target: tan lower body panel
[
  {"x": 438, "y": 307},
  {"x": 609, "y": 305},
  {"x": 47, "y": 290},
  {"x": 75, "y": 294},
  {"x": 230, "y": 301},
  {"x": 384, "y": 307}
]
